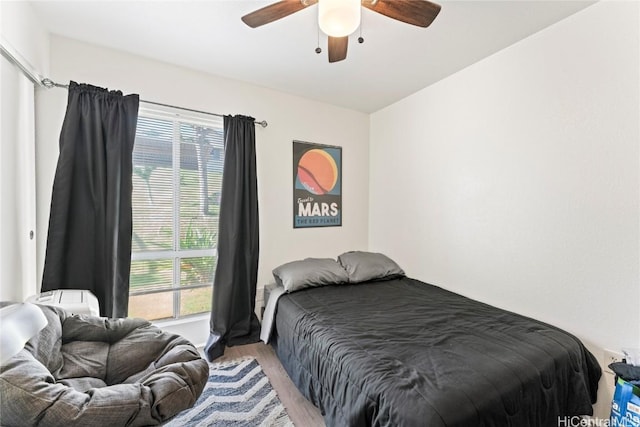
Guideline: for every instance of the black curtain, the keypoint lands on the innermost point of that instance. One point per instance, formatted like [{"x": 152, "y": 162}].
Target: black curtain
[
  {"x": 89, "y": 240},
  {"x": 233, "y": 320}
]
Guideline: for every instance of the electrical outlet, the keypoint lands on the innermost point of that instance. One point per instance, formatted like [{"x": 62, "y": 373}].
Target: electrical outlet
[{"x": 611, "y": 356}]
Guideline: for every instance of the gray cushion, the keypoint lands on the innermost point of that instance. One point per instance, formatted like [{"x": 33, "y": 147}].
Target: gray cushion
[
  {"x": 310, "y": 272},
  {"x": 84, "y": 359},
  {"x": 83, "y": 384},
  {"x": 365, "y": 266},
  {"x": 112, "y": 372},
  {"x": 46, "y": 346}
]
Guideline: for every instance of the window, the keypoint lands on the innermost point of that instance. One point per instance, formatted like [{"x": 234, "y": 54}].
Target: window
[{"x": 177, "y": 178}]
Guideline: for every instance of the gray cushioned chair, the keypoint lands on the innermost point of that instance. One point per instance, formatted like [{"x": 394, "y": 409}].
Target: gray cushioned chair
[{"x": 91, "y": 371}]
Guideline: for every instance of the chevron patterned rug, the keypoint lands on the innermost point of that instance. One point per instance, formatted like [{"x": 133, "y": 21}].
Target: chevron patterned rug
[{"x": 238, "y": 393}]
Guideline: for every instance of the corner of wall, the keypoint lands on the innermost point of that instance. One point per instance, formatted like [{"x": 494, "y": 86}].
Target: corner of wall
[{"x": 23, "y": 33}]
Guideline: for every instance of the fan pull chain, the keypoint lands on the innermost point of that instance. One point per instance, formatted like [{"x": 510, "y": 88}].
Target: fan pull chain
[
  {"x": 360, "y": 39},
  {"x": 318, "y": 50}
]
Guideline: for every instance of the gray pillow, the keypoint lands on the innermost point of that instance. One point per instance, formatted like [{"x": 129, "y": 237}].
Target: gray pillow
[
  {"x": 310, "y": 272},
  {"x": 364, "y": 266}
]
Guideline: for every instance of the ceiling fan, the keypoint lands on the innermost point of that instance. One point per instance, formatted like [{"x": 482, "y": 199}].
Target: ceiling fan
[{"x": 340, "y": 18}]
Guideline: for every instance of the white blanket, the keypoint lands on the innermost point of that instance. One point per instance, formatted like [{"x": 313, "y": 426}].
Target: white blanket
[{"x": 269, "y": 313}]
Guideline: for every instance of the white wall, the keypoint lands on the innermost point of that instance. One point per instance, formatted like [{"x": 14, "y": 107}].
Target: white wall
[
  {"x": 21, "y": 32},
  {"x": 289, "y": 118},
  {"x": 17, "y": 185},
  {"x": 24, "y": 39},
  {"x": 516, "y": 180}
]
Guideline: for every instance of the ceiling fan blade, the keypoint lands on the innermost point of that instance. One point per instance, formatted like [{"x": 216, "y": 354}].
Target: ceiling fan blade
[
  {"x": 415, "y": 12},
  {"x": 338, "y": 48},
  {"x": 275, "y": 11}
]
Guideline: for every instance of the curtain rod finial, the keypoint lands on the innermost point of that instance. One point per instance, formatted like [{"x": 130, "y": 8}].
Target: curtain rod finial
[
  {"x": 48, "y": 83},
  {"x": 263, "y": 123}
]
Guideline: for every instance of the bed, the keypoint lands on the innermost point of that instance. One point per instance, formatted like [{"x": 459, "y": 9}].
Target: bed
[{"x": 395, "y": 351}]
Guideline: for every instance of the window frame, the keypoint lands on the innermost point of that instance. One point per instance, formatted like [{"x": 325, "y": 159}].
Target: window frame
[{"x": 176, "y": 116}]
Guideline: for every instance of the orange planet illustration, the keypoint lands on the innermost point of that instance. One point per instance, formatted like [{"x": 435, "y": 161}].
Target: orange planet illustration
[{"x": 317, "y": 171}]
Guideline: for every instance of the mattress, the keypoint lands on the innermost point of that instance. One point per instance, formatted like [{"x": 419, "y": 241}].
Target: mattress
[{"x": 405, "y": 353}]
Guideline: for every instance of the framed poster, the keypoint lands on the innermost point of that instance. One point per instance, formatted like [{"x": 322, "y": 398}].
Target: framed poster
[{"x": 317, "y": 185}]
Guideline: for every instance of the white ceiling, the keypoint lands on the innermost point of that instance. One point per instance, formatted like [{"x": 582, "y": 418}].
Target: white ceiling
[{"x": 395, "y": 60}]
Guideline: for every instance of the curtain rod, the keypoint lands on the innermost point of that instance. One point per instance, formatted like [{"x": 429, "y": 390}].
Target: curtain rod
[
  {"x": 15, "y": 58},
  {"x": 48, "y": 83}
]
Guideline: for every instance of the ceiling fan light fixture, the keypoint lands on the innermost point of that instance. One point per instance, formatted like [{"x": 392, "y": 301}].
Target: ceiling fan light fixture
[{"x": 338, "y": 18}]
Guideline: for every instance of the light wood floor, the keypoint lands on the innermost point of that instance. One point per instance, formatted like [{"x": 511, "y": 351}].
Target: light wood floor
[{"x": 300, "y": 410}]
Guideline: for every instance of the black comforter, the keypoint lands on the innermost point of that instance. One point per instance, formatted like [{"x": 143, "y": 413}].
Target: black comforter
[{"x": 405, "y": 353}]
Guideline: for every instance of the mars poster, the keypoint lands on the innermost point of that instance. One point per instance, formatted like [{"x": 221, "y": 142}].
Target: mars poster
[{"x": 317, "y": 185}]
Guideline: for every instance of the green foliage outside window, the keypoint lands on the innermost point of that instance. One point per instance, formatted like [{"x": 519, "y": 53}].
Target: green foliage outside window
[{"x": 177, "y": 179}]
